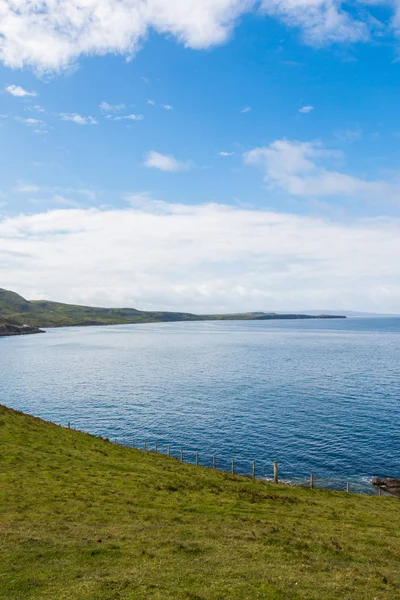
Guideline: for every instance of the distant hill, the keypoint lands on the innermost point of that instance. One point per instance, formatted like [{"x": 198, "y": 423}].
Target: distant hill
[{"x": 16, "y": 310}]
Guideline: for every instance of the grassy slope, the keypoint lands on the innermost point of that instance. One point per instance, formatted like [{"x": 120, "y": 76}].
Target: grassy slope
[
  {"x": 16, "y": 309},
  {"x": 81, "y": 518}
]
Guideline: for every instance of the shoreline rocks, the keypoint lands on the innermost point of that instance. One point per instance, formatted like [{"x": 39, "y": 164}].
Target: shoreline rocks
[
  {"x": 7, "y": 329},
  {"x": 388, "y": 484}
]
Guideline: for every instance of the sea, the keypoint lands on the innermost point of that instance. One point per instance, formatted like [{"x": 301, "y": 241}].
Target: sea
[{"x": 317, "y": 396}]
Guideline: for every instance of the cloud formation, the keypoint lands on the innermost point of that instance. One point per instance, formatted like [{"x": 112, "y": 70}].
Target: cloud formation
[
  {"x": 165, "y": 162},
  {"x": 202, "y": 258},
  {"x": 19, "y": 92},
  {"x": 78, "y": 119},
  {"x": 301, "y": 169},
  {"x": 306, "y": 109},
  {"x": 105, "y": 107},
  {"x": 52, "y": 34}
]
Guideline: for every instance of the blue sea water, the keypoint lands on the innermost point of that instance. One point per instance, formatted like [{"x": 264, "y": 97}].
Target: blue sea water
[{"x": 318, "y": 396}]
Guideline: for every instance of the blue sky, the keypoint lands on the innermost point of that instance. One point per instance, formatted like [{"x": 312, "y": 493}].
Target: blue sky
[{"x": 222, "y": 156}]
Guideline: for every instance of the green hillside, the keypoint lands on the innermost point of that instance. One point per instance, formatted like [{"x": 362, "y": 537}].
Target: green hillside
[
  {"x": 42, "y": 313},
  {"x": 81, "y": 518},
  {"x": 16, "y": 309}
]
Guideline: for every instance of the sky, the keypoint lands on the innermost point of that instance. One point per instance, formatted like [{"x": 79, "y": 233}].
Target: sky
[{"x": 201, "y": 155}]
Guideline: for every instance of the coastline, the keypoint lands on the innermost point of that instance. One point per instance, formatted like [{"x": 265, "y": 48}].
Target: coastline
[{"x": 8, "y": 330}]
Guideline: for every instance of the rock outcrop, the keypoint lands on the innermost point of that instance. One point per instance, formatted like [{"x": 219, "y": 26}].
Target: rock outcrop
[
  {"x": 388, "y": 484},
  {"x": 7, "y": 329}
]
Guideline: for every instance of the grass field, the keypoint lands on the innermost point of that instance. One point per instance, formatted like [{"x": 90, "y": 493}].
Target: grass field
[{"x": 81, "y": 518}]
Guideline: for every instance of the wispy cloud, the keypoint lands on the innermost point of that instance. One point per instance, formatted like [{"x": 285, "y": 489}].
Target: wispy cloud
[
  {"x": 78, "y": 119},
  {"x": 37, "y": 125},
  {"x": 167, "y": 106},
  {"x": 26, "y": 188},
  {"x": 302, "y": 169},
  {"x": 19, "y": 92},
  {"x": 165, "y": 162},
  {"x": 151, "y": 102},
  {"x": 129, "y": 117},
  {"x": 105, "y": 107},
  {"x": 246, "y": 109},
  {"x": 226, "y": 153},
  {"x": 306, "y": 109},
  {"x": 348, "y": 135}
]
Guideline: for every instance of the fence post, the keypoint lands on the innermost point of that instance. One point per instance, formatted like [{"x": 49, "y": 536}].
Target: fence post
[
  {"x": 156, "y": 446},
  {"x": 69, "y": 425},
  {"x": 253, "y": 474},
  {"x": 214, "y": 462},
  {"x": 197, "y": 459},
  {"x": 311, "y": 481},
  {"x": 169, "y": 450},
  {"x": 348, "y": 487},
  {"x": 145, "y": 445},
  {"x": 181, "y": 455},
  {"x": 233, "y": 466},
  {"x": 379, "y": 491},
  {"x": 133, "y": 443},
  {"x": 276, "y": 479}
]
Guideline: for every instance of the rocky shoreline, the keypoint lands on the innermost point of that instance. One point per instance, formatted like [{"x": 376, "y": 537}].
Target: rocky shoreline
[
  {"x": 388, "y": 484},
  {"x": 7, "y": 329}
]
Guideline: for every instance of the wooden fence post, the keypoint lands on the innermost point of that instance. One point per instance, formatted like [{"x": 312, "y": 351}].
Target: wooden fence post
[
  {"x": 145, "y": 445},
  {"x": 156, "y": 446},
  {"x": 214, "y": 462},
  {"x": 69, "y": 425},
  {"x": 133, "y": 443},
  {"x": 379, "y": 491},
  {"x": 348, "y": 487},
  {"x": 169, "y": 450},
  {"x": 233, "y": 466},
  {"x": 197, "y": 459},
  {"x": 311, "y": 481},
  {"x": 276, "y": 478},
  {"x": 253, "y": 473}
]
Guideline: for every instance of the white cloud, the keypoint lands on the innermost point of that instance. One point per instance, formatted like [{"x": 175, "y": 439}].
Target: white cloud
[
  {"x": 298, "y": 168},
  {"x": 52, "y": 34},
  {"x": 246, "y": 109},
  {"x": 202, "y": 258},
  {"x": 16, "y": 90},
  {"x": 167, "y": 106},
  {"x": 306, "y": 109},
  {"x": 323, "y": 21},
  {"x": 151, "y": 102},
  {"x": 105, "y": 107},
  {"x": 36, "y": 125},
  {"x": 129, "y": 117},
  {"x": 226, "y": 153},
  {"x": 165, "y": 162},
  {"x": 78, "y": 119}
]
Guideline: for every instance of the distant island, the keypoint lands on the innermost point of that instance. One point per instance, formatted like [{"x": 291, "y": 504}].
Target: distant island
[{"x": 19, "y": 316}]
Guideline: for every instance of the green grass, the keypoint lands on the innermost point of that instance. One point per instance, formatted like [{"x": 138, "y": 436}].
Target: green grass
[{"x": 81, "y": 518}]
